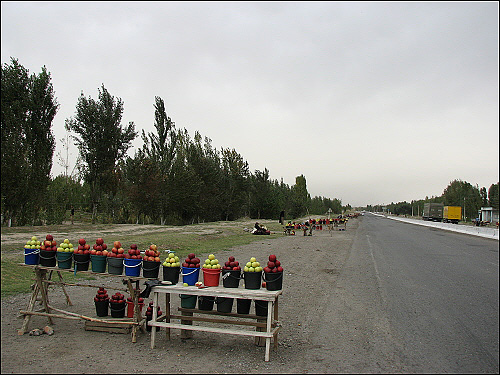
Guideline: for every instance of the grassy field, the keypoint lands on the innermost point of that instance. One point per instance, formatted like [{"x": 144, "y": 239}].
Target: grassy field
[{"x": 201, "y": 239}]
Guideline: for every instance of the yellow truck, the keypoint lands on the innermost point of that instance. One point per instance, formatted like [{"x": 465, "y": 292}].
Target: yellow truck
[{"x": 452, "y": 214}]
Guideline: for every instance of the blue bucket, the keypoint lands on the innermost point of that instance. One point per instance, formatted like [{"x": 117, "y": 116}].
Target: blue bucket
[
  {"x": 132, "y": 267},
  {"x": 190, "y": 275},
  {"x": 31, "y": 256}
]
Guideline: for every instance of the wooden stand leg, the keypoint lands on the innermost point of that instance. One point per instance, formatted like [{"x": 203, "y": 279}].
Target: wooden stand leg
[
  {"x": 154, "y": 318},
  {"x": 31, "y": 306},
  {"x": 260, "y": 341},
  {"x": 275, "y": 337},
  {"x": 167, "y": 313},
  {"x": 68, "y": 301},
  {"x": 268, "y": 328},
  {"x": 41, "y": 274},
  {"x": 186, "y": 334}
]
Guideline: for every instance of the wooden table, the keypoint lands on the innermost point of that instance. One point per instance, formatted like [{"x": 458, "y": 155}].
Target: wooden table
[
  {"x": 267, "y": 327},
  {"x": 43, "y": 277}
]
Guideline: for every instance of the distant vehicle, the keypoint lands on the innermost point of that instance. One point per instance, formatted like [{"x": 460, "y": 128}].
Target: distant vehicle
[
  {"x": 433, "y": 211},
  {"x": 452, "y": 214}
]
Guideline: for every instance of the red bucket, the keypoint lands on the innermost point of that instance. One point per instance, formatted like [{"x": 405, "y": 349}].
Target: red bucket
[
  {"x": 211, "y": 276},
  {"x": 130, "y": 309}
]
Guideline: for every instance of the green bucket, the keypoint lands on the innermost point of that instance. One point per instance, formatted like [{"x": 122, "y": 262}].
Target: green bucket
[
  {"x": 64, "y": 259},
  {"x": 98, "y": 263},
  {"x": 188, "y": 301}
]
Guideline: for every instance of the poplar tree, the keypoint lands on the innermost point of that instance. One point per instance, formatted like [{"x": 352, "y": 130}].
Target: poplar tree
[{"x": 101, "y": 140}]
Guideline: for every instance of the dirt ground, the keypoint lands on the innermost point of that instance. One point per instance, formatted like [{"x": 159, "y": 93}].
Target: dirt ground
[{"x": 312, "y": 265}]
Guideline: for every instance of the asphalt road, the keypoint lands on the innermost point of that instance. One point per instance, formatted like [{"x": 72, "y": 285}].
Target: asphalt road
[{"x": 428, "y": 300}]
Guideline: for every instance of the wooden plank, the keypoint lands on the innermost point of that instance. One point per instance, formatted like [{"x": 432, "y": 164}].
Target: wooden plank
[
  {"x": 215, "y": 330},
  {"x": 215, "y": 312},
  {"x": 261, "y": 294},
  {"x": 215, "y": 320}
]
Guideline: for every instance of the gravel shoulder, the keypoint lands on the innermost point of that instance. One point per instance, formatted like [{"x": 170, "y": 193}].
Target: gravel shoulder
[{"x": 313, "y": 268}]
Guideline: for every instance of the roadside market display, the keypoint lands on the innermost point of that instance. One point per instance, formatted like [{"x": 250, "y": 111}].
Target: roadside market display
[{"x": 253, "y": 274}]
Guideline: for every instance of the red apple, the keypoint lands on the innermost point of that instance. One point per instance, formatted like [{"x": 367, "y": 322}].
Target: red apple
[
  {"x": 191, "y": 256},
  {"x": 104, "y": 246},
  {"x": 133, "y": 246},
  {"x": 270, "y": 264},
  {"x": 49, "y": 237},
  {"x": 86, "y": 247},
  {"x": 99, "y": 241},
  {"x": 267, "y": 269},
  {"x": 93, "y": 252},
  {"x": 121, "y": 250},
  {"x": 81, "y": 241},
  {"x": 272, "y": 258},
  {"x": 280, "y": 269},
  {"x": 117, "y": 244}
]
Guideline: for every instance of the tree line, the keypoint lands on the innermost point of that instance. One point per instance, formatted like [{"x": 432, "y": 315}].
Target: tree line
[
  {"x": 458, "y": 193},
  {"x": 172, "y": 179}
]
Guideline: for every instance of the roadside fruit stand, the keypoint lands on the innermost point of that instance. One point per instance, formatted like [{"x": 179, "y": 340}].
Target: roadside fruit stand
[
  {"x": 261, "y": 284},
  {"x": 265, "y": 295}
]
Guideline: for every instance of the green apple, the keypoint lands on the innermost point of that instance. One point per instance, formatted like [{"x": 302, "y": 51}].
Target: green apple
[
  {"x": 33, "y": 238},
  {"x": 214, "y": 261},
  {"x": 258, "y": 269},
  {"x": 66, "y": 241},
  {"x": 245, "y": 269},
  {"x": 171, "y": 255},
  {"x": 70, "y": 245},
  {"x": 211, "y": 256},
  {"x": 251, "y": 269},
  {"x": 252, "y": 259},
  {"x": 207, "y": 261},
  {"x": 68, "y": 250},
  {"x": 185, "y": 284},
  {"x": 248, "y": 265},
  {"x": 255, "y": 264}
]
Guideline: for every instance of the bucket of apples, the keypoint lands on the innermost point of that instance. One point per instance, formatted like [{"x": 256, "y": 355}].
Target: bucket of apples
[
  {"x": 48, "y": 250},
  {"x": 101, "y": 301},
  {"x": 133, "y": 261},
  {"x": 252, "y": 274},
  {"x": 231, "y": 273},
  {"x": 81, "y": 255},
  {"x": 117, "y": 305},
  {"x": 273, "y": 274},
  {"x": 151, "y": 262},
  {"x": 115, "y": 258}
]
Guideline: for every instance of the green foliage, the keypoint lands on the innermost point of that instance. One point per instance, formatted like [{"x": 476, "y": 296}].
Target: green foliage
[
  {"x": 28, "y": 109},
  {"x": 101, "y": 140},
  {"x": 493, "y": 196}
]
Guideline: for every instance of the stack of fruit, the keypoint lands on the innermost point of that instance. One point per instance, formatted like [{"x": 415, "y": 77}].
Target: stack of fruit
[
  {"x": 273, "y": 274},
  {"x": 152, "y": 254},
  {"x": 252, "y": 266},
  {"x": 48, "y": 250},
  {"x": 49, "y": 244},
  {"x": 149, "y": 316},
  {"x": 117, "y": 304},
  {"x": 151, "y": 262},
  {"x": 33, "y": 243},
  {"x": 252, "y": 273},
  {"x": 117, "y": 251},
  {"x": 66, "y": 247},
  {"x": 172, "y": 261},
  {"x": 191, "y": 261},
  {"x": 231, "y": 273},
  {"x": 83, "y": 247},
  {"x": 82, "y": 255},
  {"x": 65, "y": 254},
  {"x": 101, "y": 301},
  {"x": 133, "y": 252},
  {"x": 273, "y": 265},
  {"x": 232, "y": 264},
  {"x": 99, "y": 247},
  {"x": 211, "y": 262}
]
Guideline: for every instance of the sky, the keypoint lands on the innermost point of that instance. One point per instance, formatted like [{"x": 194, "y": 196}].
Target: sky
[{"x": 373, "y": 102}]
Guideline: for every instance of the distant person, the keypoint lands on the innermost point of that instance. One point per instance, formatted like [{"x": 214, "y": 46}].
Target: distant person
[{"x": 72, "y": 215}]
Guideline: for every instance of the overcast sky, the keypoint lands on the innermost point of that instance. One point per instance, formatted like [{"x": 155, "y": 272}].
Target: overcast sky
[{"x": 372, "y": 102}]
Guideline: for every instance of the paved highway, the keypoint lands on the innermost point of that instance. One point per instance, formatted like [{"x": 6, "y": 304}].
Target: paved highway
[{"x": 414, "y": 299}]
